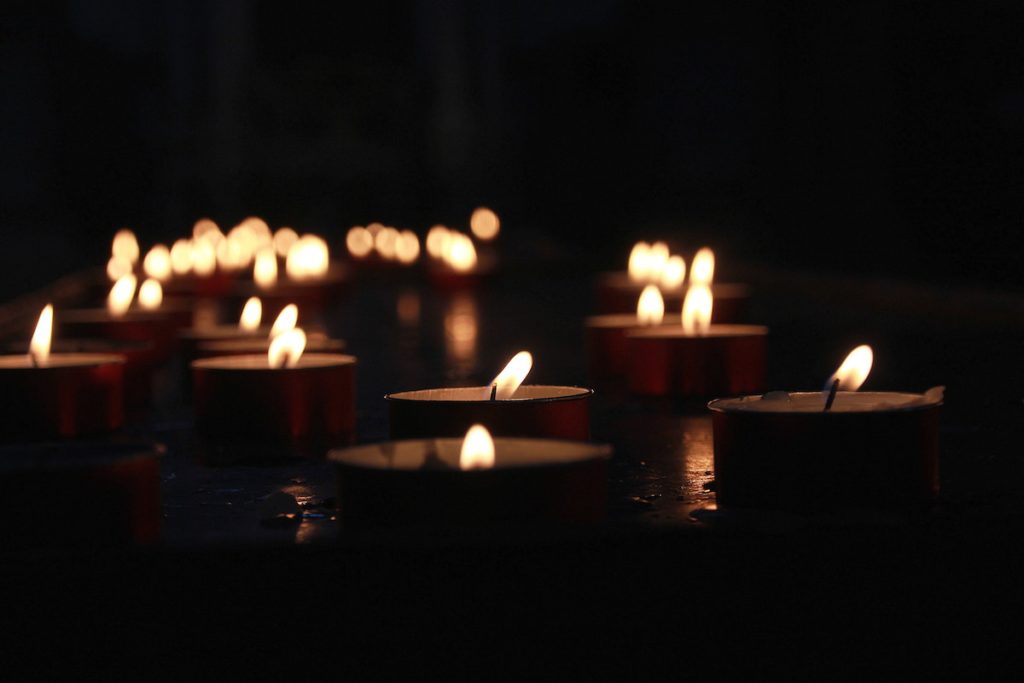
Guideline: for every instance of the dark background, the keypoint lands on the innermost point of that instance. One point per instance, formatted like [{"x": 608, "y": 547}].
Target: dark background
[{"x": 779, "y": 131}]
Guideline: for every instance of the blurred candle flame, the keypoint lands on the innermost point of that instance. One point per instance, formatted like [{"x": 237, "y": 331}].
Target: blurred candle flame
[
  {"x": 477, "y": 449},
  {"x": 359, "y": 241},
  {"x": 157, "y": 263},
  {"x": 650, "y": 307},
  {"x": 407, "y": 247},
  {"x": 121, "y": 295},
  {"x": 853, "y": 370},
  {"x": 702, "y": 271},
  {"x": 181, "y": 256},
  {"x": 205, "y": 229},
  {"x": 308, "y": 258},
  {"x": 484, "y": 223},
  {"x": 39, "y": 346},
  {"x": 437, "y": 241},
  {"x": 151, "y": 294},
  {"x": 286, "y": 348},
  {"x": 509, "y": 379},
  {"x": 460, "y": 254},
  {"x": 284, "y": 238},
  {"x": 252, "y": 315},
  {"x": 204, "y": 258},
  {"x": 697, "y": 310},
  {"x": 386, "y": 242},
  {"x": 286, "y": 320},
  {"x": 674, "y": 273},
  {"x": 125, "y": 246},
  {"x": 639, "y": 262},
  {"x": 264, "y": 269},
  {"x": 118, "y": 267}
]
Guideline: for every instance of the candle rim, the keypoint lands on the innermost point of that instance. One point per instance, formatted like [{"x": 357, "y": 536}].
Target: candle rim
[
  {"x": 23, "y": 362},
  {"x": 578, "y": 393},
  {"x": 251, "y": 363},
  {"x": 715, "y": 331},
  {"x": 730, "y": 406}
]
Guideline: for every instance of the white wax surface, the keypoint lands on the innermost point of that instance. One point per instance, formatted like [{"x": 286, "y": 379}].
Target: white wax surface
[
  {"x": 59, "y": 360},
  {"x": 259, "y": 362},
  {"x": 846, "y": 402},
  {"x": 444, "y": 454},
  {"x": 525, "y": 392}
]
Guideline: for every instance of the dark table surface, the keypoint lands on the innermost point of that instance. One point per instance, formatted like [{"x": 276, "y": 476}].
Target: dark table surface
[{"x": 665, "y": 553}]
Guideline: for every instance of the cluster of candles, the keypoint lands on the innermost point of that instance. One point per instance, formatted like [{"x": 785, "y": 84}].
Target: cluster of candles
[{"x": 504, "y": 451}]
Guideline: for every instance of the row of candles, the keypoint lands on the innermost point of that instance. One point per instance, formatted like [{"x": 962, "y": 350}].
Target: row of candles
[{"x": 269, "y": 393}]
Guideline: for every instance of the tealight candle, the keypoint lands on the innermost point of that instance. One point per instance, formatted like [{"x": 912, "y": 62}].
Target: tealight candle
[
  {"x": 866, "y": 449},
  {"x": 60, "y": 395},
  {"x": 248, "y": 326},
  {"x": 606, "y": 334},
  {"x": 475, "y": 481},
  {"x": 696, "y": 358},
  {"x": 507, "y": 406},
  {"x": 651, "y": 264},
  {"x": 456, "y": 264},
  {"x": 281, "y": 404}
]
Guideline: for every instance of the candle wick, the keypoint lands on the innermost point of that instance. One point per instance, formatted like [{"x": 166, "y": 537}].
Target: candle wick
[
  {"x": 494, "y": 391},
  {"x": 831, "y": 395}
]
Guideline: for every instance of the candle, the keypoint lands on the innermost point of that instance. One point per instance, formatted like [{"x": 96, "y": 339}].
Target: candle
[
  {"x": 259, "y": 343},
  {"x": 696, "y": 358},
  {"x": 280, "y": 404},
  {"x": 868, "y": 449},
  {"x": 309, "y": 278},
  {"x": 475, "y": 481},
  {"x": 455, "y": 262},
  {"x": 606, "y": 334},
  {"x": 59, "y": 395},
  {"x": 248, "y": 326},
  {"x": 507, "y": 406},
  {"x": 653, "y": 264},
  {"x": 108, "y": 495}
]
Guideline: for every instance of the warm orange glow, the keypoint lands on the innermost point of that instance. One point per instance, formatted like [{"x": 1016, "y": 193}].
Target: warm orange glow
[
  {"x": 407, "y": 247},
  {"x": 252, "y": 315},
  {"x": 673, "y": 275},
  {"x": 205, "y": 229},
  {"x": 204, "y": 258},
  {"x": 854, "y": 369},
  {"x": 385, "y": 242},
  {"x": 121, "y": 295},
  {"x": 650, "y": 307},
  {"x": 359, "y": 241},
  {"x": 118, "y": 267},
  {"x": 39, "y": 347},
  {"x": 284, "y": 238},
  {"x": 639, "y": 262},
  {"x": 509, "y": 379},
  {"x": 286, "y": 320},
  {"x": 460, "y": 254},
  {"x": 258, "y": 229},
  {"x": 264, "y": 269},
  {"x": 286, "y": 349},
  {"x": 477, "y": 449},
  {"x": 125, "y": 246},
  {"x": 181, "y": 257},
  {"x": 437, "y": 241},
  {"x": 461, "y": 329},
  {"x": 697, "y": 310},
  {"x": 657, "y": 258},
  {"x": 484, "y": 223},
  {"x": 308, "y": 259},
  {"x": 151, "y": 294},
  {"x": 157, "y": 263},
  {"x": 702, "y": 270}
]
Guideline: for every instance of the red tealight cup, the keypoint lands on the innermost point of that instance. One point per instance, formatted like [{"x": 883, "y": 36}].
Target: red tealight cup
[
  {"x": 246, "y": 410},
  {"x": 155, "y": 327},
  {"x": 870, "y": 450},
  {"x": 554, "y": 412},
  {"x": 607, "y": 346},
  {"x": 419, "y": 484}
]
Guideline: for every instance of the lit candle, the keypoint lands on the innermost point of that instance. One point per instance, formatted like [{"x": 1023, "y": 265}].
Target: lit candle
[
  {"x": 279, "y": 404},
  {"x": 248, "y": 326},
  {"x": 606, "y": 334},
  {"x": 471, "y": 482},
  {"x": 696, "y": 358},
  {"x": 867, "y": 449},
  {"x": 59, "y": 395},
  {"x": 455, "y": 261},
  {"x": 653, "y": 264},
  {"x": 257, "y": 340},
  {"x": 506, "y": 405}
]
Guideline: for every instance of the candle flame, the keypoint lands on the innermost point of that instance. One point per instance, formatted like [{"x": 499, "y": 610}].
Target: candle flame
[
  {"x": 407, "y": 247},
  {"x": 118, "y": 267},
  {"x": 157, "y": 263},
  {"x": 437, "y": 241},
  {"x": 639, "y": 262},
  {"x": 359, "y": 241},
  {"x": 125, "y": 246},
  {"x": 121, "y": 295},
  {"x": 674, "y": 274},
  {"x": 697, "y": 310},
  {"x": 484, "y": 223},
  {"x": 460, "y": 254},
  {"x": 477, "y": 449},
  {"x": 702, "y": 271},
  {"x": 264, "y": 269},
  {"x": 854, "y": 369},
  {"x": 205, "y": 229},
  {"x": 286, "y": 349},
  {"x": 204, "y": 257},
  {"x": 509, "y": 379},
  {"x": 386, "y": 242},
  {"x": 252, "y": 315},
  {"x": 151, "y": 294},
  {"x": 181, "y": 256},
  {"x": 650, "y": 307},
  {"x": 286, "y": 320},
  {"x": 284, "y": 238},
  {"x": 308, "y": 258},
  {"x": 39, "y": 347}
]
